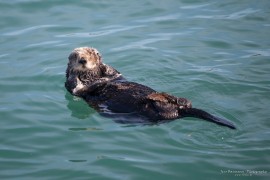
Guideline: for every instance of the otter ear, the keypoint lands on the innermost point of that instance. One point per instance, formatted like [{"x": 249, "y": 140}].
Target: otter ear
[{"x": 73, "y": 56}]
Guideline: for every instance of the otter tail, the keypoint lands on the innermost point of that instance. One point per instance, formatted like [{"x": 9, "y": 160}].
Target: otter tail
[{"x": 198, "y": 113}]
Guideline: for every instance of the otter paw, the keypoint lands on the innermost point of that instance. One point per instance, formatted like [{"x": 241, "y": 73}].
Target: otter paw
[{"x": 78, "y": 87}]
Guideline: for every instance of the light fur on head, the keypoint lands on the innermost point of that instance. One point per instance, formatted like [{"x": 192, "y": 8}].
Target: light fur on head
[{"x": 84, "y": 59}]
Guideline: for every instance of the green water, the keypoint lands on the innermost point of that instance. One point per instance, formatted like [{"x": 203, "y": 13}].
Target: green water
[{"x": 215, "y": 53}]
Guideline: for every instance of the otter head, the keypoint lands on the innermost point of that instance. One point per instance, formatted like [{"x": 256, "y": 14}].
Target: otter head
[{"x": 84, "y": 59}]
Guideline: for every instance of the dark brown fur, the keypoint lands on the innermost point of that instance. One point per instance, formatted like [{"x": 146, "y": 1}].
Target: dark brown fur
[{"x": 105, "y": 89}]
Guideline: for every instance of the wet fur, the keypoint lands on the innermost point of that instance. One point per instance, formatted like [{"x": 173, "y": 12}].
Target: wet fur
[{"x": 106, "y": 90}]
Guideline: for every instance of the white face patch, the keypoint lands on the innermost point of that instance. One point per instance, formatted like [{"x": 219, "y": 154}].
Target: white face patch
[
  {"x": 79, "y": 67},
  {"x": 90, "y": 65},
  {"x": 90, "y": 57}
]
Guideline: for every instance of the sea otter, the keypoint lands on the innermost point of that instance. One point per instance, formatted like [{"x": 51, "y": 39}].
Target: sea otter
[{"x": 106, "y": 90}]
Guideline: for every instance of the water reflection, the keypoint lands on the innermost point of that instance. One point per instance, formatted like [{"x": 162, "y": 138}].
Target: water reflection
[
  {"x": 85, "y": 129},
  {"x": 78, "y": 107},
  {"x": 81, "y": 110},
  {"x": 77, "y": 160}
]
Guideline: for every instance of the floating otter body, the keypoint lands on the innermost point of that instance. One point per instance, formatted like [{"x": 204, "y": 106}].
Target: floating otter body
[{"x": 106, "y": 90}]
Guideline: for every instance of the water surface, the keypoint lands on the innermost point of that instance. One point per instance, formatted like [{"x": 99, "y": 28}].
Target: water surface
[{"x": 215, "y": 53}]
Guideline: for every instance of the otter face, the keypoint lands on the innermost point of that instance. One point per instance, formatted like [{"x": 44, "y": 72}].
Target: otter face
[{"x": 84, "y": 59}]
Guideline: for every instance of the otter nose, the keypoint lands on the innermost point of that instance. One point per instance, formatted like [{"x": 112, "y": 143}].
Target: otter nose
[{"x": 82, "y": 61}]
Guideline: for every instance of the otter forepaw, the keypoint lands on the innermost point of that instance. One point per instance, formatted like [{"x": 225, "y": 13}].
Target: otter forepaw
[{"x": 79, "y": 87}]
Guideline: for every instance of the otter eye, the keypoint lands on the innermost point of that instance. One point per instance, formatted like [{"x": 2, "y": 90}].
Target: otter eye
[{"x": 99, "y": 56}]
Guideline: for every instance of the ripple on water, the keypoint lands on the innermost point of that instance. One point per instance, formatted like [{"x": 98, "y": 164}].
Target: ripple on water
[
  {"x": 28, "y": 30},
  {"x": 215, "y": 53}
]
